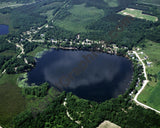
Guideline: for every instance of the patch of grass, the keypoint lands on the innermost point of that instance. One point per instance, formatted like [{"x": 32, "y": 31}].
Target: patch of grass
[
  {"x": 112, "y": 3},
  {"x": 10, "y": 4},
  {"x": 151, "y": 2},
  {"x": 138, "y": 14},
  {"x": 150, "y": 95},
  {"x": 8, "y": 53},
  {"x": 35, "y": 51},
  {"x": 154, "y": 97},
  {"x": 50, "y": 13},
  {"x": 80, "y": 17},
  {"x": 5, "y": 19},
  {"x": 11, "y": 100}
]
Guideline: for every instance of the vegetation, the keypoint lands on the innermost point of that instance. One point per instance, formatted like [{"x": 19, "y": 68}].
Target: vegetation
[
  {"x": 150, "y": 94},
  {"x": 138, "y": 14},
  {"x": 89, "y": 114},
  {"x": 150, "y": 2},
  {"x": 80, "y": 16},
  {"x": 11, "y": 99},
  {"x": 56, "y": 23},
  {"x": 17, "y": 65},
  {"x": 37, "y": 91},
  {"x": 112, "y": 3},
  {"x": 17, "y": 1}
]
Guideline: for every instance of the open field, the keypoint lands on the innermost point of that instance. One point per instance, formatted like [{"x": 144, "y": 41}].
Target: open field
[
  {"x": 79, "y": 18},
  {"x": 35, "y": 51},
  {"x": 10, "y": 4},
  {"x": 150, "y": 2},
  {"x": 108, "y": 124},
  {"x": 14, "y": 4},
  {"x": 8, "y": 53},
  {"x": 5, "y": 19},
  {"x": 50, "y": 13},
  {"x": 137, "y": 14},
  {"x": 11, "y": 100},
  {"x": 150, "y": 95}
]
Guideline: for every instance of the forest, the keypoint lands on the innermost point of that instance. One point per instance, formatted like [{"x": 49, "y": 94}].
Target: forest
[
  {"x": 30, "y": 16},
  {"x": 120, "y": 111},
  {"x": 111, "y": 28}
]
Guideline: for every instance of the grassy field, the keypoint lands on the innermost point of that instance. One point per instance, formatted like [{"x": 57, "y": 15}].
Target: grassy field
[
  {"x": 80, "y": 17},
  {"x": 50, "y": 13},
  {"x": 112, "y": 3},
  {"x": 5, "y": 19},
  {"x": 138, "y": 14},
  {"x": 108, "y": 124},
  {"x": 150, "y": 95},
  {"x": 35, "y": 51},
  {"x": 8, "y": 53},
  {"x": 11, "y": 100},
  {"x": 10, "y": 4},
  {"x": 151, "y": 2}
]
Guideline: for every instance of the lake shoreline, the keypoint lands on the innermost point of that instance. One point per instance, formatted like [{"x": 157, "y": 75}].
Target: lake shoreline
[{"x": 81, "y": 52}]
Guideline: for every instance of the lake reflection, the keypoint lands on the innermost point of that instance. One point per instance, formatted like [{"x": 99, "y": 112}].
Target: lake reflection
[{"x": 106, "y": 76}]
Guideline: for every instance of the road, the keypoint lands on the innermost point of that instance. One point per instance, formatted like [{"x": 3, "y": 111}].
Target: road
[
  {"x": 13, "y": 5},
  {"x": 144, "y": 85},
  {"x": 151, "y": 4},
  {"x": 68, "y": 115},
  {"x": 22, "y": 49}
]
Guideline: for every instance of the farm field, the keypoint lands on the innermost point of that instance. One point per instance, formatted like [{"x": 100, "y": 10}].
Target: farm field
[
  {"x": 138, "y": 14},
  {"x": 150, "y": 95},
  {"x": 79, "y": 18}
]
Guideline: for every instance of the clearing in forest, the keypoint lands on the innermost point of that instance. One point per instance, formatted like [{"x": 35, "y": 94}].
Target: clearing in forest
[
  {"x": 151, "y": 93},
  {"x": 79, "y": 17},
  {"x": 108, "y": 124},
  {"x": 138, "y": 14}
]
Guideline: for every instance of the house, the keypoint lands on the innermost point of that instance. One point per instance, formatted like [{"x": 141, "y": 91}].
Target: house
[
  {"x": 149, "y": 64},
  {"x": 78, "y": 36}
]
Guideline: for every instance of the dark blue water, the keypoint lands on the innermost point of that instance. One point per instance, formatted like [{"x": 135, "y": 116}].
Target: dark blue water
[
  {"x": 4, "y": 29},
  {"x": 92, "y": 76}
]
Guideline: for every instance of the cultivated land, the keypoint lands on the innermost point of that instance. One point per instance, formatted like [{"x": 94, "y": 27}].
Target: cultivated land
[
  {"x": 150, "y": 95},
  {"x": 138, "y": 14},
  {"x": 79, "y": 18}
]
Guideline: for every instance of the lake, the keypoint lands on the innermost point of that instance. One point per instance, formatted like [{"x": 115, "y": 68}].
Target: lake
[
  {"x": 90, "y": 75},
  {"x": 4, "y": 29}
]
